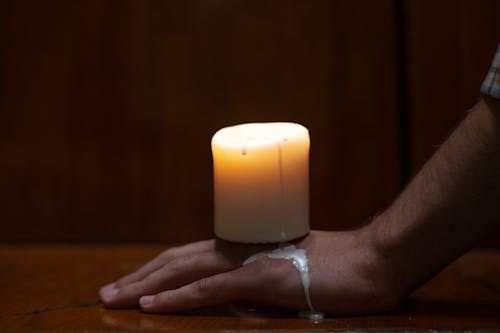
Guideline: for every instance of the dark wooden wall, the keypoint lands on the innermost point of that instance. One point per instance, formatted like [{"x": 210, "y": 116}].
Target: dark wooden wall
[
  {"x": 450, "y": 47},
  {"x": 107, "y": 107}
]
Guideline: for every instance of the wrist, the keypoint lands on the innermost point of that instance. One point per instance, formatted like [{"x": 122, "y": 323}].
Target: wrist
[
  {"x": 383, "y": 266},
  {"x": 396, "y": 266}
]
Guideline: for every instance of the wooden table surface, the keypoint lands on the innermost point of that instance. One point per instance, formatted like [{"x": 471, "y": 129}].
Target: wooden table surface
[{"x": 54, "y": 288}]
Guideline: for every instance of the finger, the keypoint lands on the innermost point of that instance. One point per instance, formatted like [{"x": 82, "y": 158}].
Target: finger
[
  {"x": 262, "y": 281},
  {"x": 178, "y": 272},
  {"x": 160, "y": 260},
  {"x": 213, "y": 290},
  {"x": 164, "y": 257},
  {"x": 235, "y": 252}
]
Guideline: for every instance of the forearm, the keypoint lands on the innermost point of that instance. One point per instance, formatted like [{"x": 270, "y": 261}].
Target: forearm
[{"x": 452, "y": 203}]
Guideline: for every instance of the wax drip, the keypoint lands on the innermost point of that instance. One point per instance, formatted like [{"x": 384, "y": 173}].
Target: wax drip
[
  {"x": 282, "y": 182},
  {"x": 298, "y": 257},
  {"x": 244, "y": 148},
  {"x": 280, "y": 170}
]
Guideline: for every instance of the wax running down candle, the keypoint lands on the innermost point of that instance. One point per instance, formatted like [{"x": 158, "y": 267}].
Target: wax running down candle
[{"x": 261, "y": 182}]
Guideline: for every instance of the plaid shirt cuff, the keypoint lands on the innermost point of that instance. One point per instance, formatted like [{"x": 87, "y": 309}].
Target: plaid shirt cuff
[{"x": 491, "y": 85}]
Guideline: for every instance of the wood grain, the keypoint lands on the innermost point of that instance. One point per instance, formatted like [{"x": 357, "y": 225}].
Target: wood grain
[
  {"x": 54, "y": 288},
  {"x": 108, "y": 107}
]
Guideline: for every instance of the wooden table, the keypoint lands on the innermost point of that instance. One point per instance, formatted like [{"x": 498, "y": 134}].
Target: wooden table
[{"x": 54, "y": 288}]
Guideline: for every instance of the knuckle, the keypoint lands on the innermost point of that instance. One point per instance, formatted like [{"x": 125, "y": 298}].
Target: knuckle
[
  {"x": 162, "y": 299},
  {"x": 203, "y": 288}
]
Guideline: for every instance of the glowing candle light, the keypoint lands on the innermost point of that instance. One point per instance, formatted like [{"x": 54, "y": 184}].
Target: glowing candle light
[{"x": 261, "y": 182}]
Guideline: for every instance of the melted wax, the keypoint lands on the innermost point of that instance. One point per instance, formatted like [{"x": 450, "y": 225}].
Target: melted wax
[{"x": 298, "y": 258}]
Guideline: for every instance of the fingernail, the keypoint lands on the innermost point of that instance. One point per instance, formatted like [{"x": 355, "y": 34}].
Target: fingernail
[
  {"x": 108, "y": 292},
  {"x": 146, "y": 301},
  {"x": 109, "y": 286}
]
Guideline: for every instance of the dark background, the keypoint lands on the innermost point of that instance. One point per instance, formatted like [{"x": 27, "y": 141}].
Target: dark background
[{"x": 107, "y": 107}]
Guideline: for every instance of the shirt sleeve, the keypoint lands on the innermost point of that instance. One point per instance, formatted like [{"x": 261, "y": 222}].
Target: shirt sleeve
[{"x": 491, "y": 85}]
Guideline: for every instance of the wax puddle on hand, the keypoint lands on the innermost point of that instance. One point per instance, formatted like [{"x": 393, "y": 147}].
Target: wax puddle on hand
[{"x": 298, "y": 257}]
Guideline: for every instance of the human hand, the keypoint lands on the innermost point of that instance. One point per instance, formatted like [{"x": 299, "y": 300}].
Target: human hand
[{"x": 346, "y": 277}]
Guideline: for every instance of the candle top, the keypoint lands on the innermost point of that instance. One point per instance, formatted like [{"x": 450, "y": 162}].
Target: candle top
[{"x": 258, "y": 134}]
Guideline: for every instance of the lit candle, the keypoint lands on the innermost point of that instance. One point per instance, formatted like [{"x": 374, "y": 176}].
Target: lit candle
[{"x": 261, "y": 182}]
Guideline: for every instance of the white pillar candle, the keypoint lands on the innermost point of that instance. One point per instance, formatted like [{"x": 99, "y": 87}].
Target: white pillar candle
[{"x": 261, "y": 182}]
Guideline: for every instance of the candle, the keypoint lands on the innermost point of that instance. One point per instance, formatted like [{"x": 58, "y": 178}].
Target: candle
[{"x": 261, "y": 182}]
